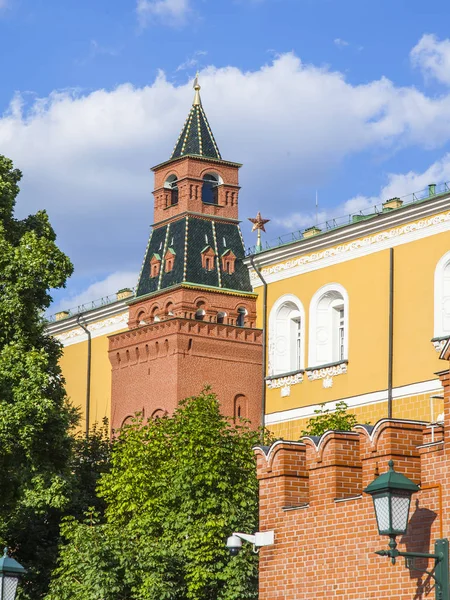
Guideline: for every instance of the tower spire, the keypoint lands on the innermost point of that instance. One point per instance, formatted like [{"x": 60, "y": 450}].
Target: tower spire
[
  {"x": 197, "y": 88},
  {"x": 196, "y": 138}
]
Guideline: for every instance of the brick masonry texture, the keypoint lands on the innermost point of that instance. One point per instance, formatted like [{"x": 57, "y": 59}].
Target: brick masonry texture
[
  {"x": 325, "y": 527},
  {"x": 189, "y": 173},
  {"x": 155, "y": 366}
]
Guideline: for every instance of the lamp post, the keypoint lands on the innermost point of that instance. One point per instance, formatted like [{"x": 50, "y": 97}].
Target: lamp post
[
  {"x": 391, "y": 494},
  {"x": 10, "y": 572}
]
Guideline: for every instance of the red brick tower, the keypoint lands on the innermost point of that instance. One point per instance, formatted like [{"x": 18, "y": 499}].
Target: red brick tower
[{"x": 192, "y": 321}]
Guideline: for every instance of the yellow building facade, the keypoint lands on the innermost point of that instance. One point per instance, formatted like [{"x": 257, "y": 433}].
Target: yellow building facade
[
  {"x": 85, "y": 364},
  {"x": 358, "y": 313}
]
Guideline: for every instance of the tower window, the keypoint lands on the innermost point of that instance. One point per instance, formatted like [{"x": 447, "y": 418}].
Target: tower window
[
  {"x": 155, "y": 265},
  {"x": 169, "y": 260},
  {"x": 240, "y": 322},
  {"x": 228, "y": 262},
  {"x": 221, "y": 317},
  {"x": 171, "y": 184},
  {"x": 208, "y": 258},
  {"x": 209, "y": 189}
]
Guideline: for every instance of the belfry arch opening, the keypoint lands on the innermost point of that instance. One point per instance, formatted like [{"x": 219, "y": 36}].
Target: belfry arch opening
[
  {"x": 171, "y": 184},
  {"x": 210, "y": 195}
]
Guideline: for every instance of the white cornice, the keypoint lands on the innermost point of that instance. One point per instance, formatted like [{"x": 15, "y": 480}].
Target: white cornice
[
  {"x": 100, "y": 321},
  {"x": 361, "y": 246},
  {"x": 339, "y": 235}
]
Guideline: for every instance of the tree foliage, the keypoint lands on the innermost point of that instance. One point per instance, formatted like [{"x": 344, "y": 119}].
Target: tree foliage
[
  {"x": 178, "y": 486},
  {"x": 41, "y": 465},
  {"x": 325, "y": 420}
]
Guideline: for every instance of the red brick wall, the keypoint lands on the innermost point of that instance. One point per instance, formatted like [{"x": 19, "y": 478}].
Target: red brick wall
[
  {"x": 190, "y": 173},
  {"x": 325, "y": 527},
  {"x": 184, "y": 302},
  {"x": 155, "y": 366}
]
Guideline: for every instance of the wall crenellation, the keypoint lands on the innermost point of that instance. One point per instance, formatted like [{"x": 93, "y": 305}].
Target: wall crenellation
[{"x": 311, "y": 495}]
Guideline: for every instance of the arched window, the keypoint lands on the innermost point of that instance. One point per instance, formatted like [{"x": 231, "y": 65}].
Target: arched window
[
  {"x": 209, "y": 188},
  {"x": 154, "y": 317},
  {"x": 240, "y": 321},
  {"x": 221, "y": 317},
  {"x": 328, "y": 326},
  {"x": 286, "y": 335},
  {"x": 171, "y": 184},
  {"x": 200, "y": 314},
  {"x": 442, "y": 297}
]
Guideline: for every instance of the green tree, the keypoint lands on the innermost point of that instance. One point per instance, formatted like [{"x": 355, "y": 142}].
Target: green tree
[
  {"x": 35, "y": 418},
  {"x": 178, "y": 486},
  {"x": 325, "y": 420}
]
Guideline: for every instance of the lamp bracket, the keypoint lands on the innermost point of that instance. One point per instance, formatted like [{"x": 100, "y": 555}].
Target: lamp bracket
[{"x": 440, "y": 574}]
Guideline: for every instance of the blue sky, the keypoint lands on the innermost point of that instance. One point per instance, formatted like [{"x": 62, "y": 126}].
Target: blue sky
[{"x": 347, "y": 97}]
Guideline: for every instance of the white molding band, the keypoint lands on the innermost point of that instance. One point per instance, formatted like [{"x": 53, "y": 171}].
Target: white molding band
[
  {"x": 354, "y": 249},
  {"x": 97, "y": 329},
  {"x": 425, "y": 387}
]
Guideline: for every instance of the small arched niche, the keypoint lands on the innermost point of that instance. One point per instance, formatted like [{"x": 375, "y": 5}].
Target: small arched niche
[{"x": 240, "y": 407}]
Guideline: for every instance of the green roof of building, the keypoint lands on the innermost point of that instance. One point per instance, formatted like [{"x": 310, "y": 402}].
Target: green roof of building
[{"x": 196, "y": 138}]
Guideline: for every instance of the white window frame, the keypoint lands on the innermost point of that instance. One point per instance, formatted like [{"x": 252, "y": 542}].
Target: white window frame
[
  {"x": 440, "y": 300},
  {"x": 324, "y": 328},
  {"x": 284, "y": 347}
]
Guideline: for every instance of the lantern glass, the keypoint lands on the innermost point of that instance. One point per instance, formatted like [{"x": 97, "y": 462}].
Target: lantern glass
[
  {"x": 400, "y": 511},
  {"x": 392, "y": 511},
  {"x": 382, "y": 510},
  {"x": 8, "y": 586}
]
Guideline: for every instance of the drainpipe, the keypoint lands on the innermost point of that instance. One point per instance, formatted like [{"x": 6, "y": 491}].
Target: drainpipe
[
  {"x": 391, "y": 330},
  {"x": 264, "y": 348},
  {"x": 88, "y": 378}
]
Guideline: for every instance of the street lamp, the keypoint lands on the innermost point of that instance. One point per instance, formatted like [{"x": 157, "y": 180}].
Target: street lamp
[
  {"x": 10, "y": 571},
  {"x": 391, "y": 494}
]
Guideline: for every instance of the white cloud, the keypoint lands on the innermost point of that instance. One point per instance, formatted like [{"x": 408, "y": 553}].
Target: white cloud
[
  {"x": 192, "y": 61},
  {"x": 432, "y": 57},
  {"x": 86, "y": 156},
  {"x": 173, "y": 12},
  {"x": 100, "y": 289},
  {"x": 341, "y": 43}
]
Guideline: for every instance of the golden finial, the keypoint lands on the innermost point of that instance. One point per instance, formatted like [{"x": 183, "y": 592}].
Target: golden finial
[
  {"x": 197, "y": 88},
  {"x": 258, "y": 225}
]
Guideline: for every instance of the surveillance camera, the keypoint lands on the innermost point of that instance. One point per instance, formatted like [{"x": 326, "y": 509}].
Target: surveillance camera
[{"x": 234, "y": 544}]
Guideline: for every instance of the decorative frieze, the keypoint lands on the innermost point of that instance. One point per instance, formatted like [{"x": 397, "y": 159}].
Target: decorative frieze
[
  {"x": 111, "y": 325},
  {"x": 282, "y": 382},
  {"x": 439, "y": 344},
  {"x": 354, "y": 245},
  {"x": 327, "y": 374}
]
